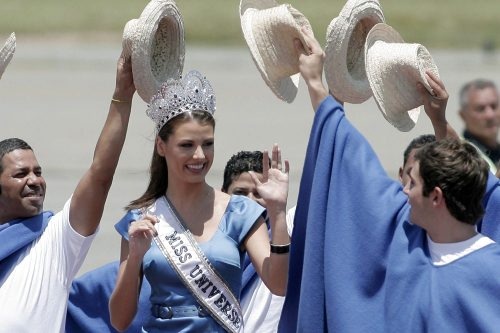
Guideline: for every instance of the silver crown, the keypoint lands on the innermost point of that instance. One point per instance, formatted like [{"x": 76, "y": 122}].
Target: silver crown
[{"x": 188, "y": 93}]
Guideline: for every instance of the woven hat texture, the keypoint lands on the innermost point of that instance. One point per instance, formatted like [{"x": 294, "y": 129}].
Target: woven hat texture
[
  {"x": 344, "y": 51},
  {"x": 156, "y": 43},
  {"x": 7, "y": 52},
  {"x": 270, "y": 30},
  {"x": 393, "y": 68}
]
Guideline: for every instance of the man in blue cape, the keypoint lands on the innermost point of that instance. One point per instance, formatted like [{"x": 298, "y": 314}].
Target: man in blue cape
[
  {"x": 41, "y": 252},
  {"x": 363, "y": 259}
]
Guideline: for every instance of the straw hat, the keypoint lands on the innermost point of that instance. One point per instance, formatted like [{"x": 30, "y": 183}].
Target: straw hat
[
  {"x": 393, "y": 68},
  {"x": 269, "y": 30},
  {"x": 156, "y": 43},
  {"x": 344, "y": 51},
  {"x": 7, "y": 52}
]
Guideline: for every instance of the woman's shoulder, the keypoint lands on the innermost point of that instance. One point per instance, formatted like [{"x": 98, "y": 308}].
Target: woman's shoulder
[
  {"x": 122, "y": 225},
  {"x": 241, "y": 208},
  {"x": 240, "y": 216}
]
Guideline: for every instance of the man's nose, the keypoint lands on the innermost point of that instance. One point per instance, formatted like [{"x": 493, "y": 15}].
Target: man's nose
[{"x": 34, "y": 179}]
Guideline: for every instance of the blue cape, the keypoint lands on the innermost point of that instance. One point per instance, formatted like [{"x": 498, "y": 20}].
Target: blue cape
[
  {"x": 490, "y": 223},
  {"x": 358, "y": 266},
  {"x": 88, "y": 302},
  {"x": 16, "y": 235},
  {"x": 88, "y": 310}
]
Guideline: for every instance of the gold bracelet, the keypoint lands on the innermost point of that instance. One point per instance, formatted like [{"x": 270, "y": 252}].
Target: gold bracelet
[{"x": 118, "y": 101}]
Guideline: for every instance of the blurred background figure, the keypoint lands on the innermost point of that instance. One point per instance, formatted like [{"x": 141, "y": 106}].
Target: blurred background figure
[{"x": 480, "y": 113}]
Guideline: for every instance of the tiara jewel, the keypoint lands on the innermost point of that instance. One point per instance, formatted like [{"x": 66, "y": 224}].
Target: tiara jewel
[{"x": 188, "y": 93}]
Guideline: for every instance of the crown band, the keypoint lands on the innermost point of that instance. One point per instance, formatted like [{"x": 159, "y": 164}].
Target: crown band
[{"x": 189, "y": 93}]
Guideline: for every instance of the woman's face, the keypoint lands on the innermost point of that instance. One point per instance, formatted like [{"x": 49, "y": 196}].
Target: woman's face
[{"x": 189, "y": 151}]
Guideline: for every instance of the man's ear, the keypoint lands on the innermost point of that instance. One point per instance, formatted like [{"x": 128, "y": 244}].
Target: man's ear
[
  {"x": 462, "y": 114},
  {"x": 400, "y": 173},
  {"x": 437, "y": 196}
]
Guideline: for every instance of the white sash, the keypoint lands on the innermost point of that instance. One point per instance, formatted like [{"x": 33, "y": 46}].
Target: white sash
[{"x": 195, "y": 271}]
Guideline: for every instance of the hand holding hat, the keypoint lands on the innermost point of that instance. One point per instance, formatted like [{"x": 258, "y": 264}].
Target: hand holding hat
[
  {"x": 311, "y": 58},
  {"x": 365, "y": 57},
  {"x": 393, "y": 69},
  {"x": 124, "y": 86},
  {"x": 434, "y": 102}
]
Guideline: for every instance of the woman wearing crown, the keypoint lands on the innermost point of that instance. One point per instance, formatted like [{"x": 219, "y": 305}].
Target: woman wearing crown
[{"x": 187, "y": 238}]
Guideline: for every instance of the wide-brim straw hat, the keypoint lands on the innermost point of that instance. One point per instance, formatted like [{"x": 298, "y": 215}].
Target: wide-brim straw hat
[
  {"x": 156, "y": 43},
  {"x": 7, "y": 52},
  {"x": 344, "y": 50},
  {"x": 270, "y": 30},
  {"x": 393, "y": 68}
]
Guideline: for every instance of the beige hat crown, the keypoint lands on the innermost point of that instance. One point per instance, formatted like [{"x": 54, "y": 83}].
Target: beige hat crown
[
  {"x": 7, "y": 52},
  {"x": 393, "y": 68},
  {"x": 344, "y": 52},
  {"x": 270, "y": 30},
  {"x": 156, "y": 43}
]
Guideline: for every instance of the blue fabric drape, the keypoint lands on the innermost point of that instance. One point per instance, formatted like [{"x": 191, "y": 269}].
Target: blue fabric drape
[
  {"x": 16, "y": 235},
  {"x": 357, "y": 265}
]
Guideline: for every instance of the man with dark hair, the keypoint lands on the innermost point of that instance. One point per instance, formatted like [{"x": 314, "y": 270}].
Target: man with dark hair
[
  {"x": 237, "y": 179},
  {"x": 453, "y": 171},
  {"x": 8, "y": 145},
  {"x": 261, "y": 309},
  {"x": 40, "y": 252},
  {"x": 409, "y": 155},
  {"x": 479, "y": 109}
]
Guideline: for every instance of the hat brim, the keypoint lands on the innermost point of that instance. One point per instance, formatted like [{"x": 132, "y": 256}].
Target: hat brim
[
  {"x": 7, "y": 52},
  {"x": 285, "y": 87},
  {"x": 394, "y": 92},
  {"x": 344, "y": 51},
  {"x": 157, "y": 46}
]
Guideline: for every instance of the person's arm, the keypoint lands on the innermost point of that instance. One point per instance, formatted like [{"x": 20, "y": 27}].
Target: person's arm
[
  {"x": 311, "y": 59},
  {"x": 435, "y": 106},
  {"x": 88, "y": 200},
  {"x": 124, "y": 300},
  {"x": 271, "y": 267}
]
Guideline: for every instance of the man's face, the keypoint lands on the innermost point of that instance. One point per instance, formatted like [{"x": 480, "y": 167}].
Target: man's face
[
  {"x": 244, "y": 185},
  {"x": 22, "y": 185},
  {"x": 482, "y": 116}
]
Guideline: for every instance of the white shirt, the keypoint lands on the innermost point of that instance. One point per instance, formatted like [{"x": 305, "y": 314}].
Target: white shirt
[
  {"x": 445, "y": 253},
  {"x": 262, "y": 309},
  {"x": 34, "y": 295}
]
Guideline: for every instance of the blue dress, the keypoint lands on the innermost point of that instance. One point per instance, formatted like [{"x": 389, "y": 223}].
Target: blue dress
[
  {"x": 222, "y": 250},
  {"x": 357, "y": 265}
]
